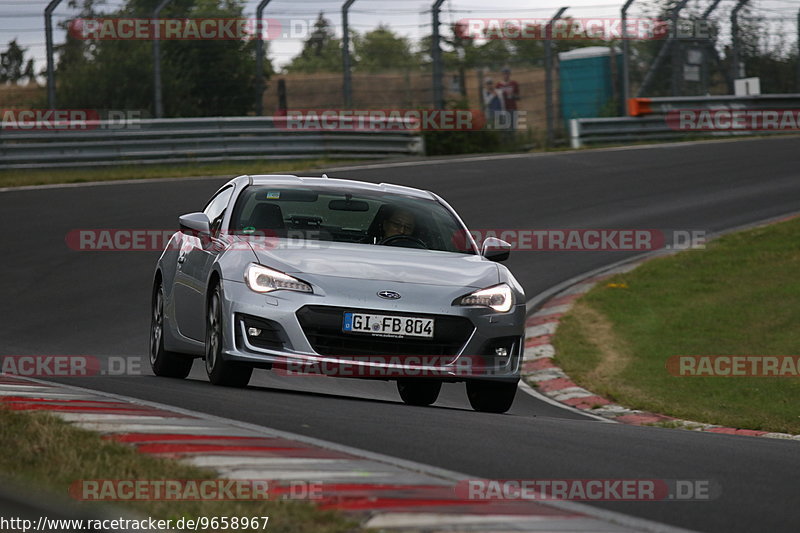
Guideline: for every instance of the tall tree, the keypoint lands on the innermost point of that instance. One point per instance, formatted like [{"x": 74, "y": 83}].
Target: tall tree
[
  {"x": 322, "y": 51},
  {"x": 382, "y": 49},
  {"x": 206, "y": 77},
  {"x": 12, "y": 64}
]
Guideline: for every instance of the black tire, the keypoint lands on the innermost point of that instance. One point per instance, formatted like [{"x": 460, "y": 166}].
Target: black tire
[
  {"x": 220, "y": 371},
  {"x": 164, "y": 363},
  {"x": 419, "y": 391},
  {"x": 491, "y": 396}
]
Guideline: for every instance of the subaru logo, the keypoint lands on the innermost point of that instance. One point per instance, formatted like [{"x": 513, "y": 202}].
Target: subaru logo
[{"x": 389, "y": 295}]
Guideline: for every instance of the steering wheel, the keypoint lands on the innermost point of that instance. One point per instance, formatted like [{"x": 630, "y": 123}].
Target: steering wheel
[{"x": 408, "y": 239}]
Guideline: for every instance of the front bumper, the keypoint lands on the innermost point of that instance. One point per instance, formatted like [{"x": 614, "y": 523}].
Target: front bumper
[{"x": 299, "y": 334}]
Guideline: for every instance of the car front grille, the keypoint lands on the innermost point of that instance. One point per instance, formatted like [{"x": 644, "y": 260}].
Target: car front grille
[{"x": 322, "y": 326}]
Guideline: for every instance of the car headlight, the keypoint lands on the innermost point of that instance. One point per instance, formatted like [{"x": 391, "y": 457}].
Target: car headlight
[
  {"x": 499, "y": 297},
  {"x": 262, "y": 279}
]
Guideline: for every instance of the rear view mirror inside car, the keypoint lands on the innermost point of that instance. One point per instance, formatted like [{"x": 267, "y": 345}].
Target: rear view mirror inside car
[{"x": 348, "y": 205}]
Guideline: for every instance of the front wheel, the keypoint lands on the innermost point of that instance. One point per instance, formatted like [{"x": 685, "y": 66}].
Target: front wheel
[
  {"x": 491, "y": 396},
  {"x": 419, "y": 391},
  {"x": 164, "y": 363},
  {"x": 220, "y": 371}
]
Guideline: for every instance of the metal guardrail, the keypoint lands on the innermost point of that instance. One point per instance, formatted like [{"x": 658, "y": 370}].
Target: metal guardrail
[
  {"x": 623, "y": 130},
  {"x": 619, "y": 130},
  {"x": 104, "y": 143},
  {"x": 649, "y": 120},
  {"x": 662, "y": 105}
]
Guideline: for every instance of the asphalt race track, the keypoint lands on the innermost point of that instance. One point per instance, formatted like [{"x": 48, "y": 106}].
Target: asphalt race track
[{"x": 60, "y": 301}]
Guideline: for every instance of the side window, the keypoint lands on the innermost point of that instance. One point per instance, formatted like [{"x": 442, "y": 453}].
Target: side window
[{"x": 215, "y": 210}]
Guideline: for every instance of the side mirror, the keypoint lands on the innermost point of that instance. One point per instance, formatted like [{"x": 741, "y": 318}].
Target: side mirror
[
  {"x": 495, "y": 249},
  {"x": 195, "y": 223}
]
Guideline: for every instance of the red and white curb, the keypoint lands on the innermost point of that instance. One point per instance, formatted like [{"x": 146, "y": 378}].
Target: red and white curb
[
  {"x": 550, "y": 380},
  {"x": 379, "y": 491}
]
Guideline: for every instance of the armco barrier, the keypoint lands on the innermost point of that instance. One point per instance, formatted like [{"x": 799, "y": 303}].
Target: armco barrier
[
  {"x": 193, "y": 140},
  {"x": 621, "y": 130},
  {"x": 661, "y": 105},
  {"x": 648, "y": 121}
]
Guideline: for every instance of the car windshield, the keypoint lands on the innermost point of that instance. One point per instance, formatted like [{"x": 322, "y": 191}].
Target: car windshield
[{"x": 348, "y": 215}]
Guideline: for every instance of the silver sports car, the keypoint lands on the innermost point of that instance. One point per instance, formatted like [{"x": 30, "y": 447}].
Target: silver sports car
[{"x": 322, "y": 276}]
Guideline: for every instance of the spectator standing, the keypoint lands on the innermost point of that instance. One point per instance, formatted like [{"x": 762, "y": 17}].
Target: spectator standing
[
  {"x": 492, "y": 101},
  {"x": 510, "y": 91}
]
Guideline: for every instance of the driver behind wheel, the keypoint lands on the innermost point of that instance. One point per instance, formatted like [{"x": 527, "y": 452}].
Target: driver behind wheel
[{"x": 399, "y": 222}]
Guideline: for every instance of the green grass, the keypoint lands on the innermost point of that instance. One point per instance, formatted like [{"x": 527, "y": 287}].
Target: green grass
[
  {"x": 46, "y": 453},
  {"x": 16, "y": 178},
  {"x": 740, "y": 296}
]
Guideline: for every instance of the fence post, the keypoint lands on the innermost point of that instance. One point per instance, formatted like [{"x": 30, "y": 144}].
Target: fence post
[
  {"x": 735, "y": 68},
  {"x": 626, "y": 53},
  {"x": 282, "y": 95},
  {"x": 798, "y": 51},
  {"x": 48, "y": 36},
  {"x": 260, "y": 58},
  {"x": 548, "y": 76},
  {"x": 347, "y": 88},
  {"x": 436, "y": 57},
  {"x": 157, "y": 97},
  {"x": 574, "y": 133},
  {"x": 707, "y": 48}
]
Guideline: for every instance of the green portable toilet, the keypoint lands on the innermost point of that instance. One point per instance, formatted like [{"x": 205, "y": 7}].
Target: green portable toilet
[{"x": 586, "y": 88}]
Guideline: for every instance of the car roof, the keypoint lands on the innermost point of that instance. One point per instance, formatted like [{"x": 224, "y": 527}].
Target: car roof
[{"x": 325, "y": 182}]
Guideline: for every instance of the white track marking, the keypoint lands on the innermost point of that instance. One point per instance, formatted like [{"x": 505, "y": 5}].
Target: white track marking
[
  {"x": 412, "y": 466},
  {"x": 444, "y": 522},
  {"x": 546, "y": 399}
]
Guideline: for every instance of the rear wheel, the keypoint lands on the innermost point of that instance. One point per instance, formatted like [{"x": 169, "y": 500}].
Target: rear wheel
[
  {"x": 164, "y": 363},
  {"x": 491, "y": 396},
  {"x": 220, "y": 371},
  {"x": 419, "y": 391}
]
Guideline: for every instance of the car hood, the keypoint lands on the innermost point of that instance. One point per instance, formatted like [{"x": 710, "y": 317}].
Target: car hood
[{"x": 381, "y": 263}]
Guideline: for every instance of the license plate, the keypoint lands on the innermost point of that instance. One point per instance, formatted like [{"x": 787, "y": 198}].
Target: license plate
[{"x": 404, "y": 326}]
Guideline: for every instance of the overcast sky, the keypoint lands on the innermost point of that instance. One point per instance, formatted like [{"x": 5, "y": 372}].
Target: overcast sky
[{"x": 24, "y": 19}]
